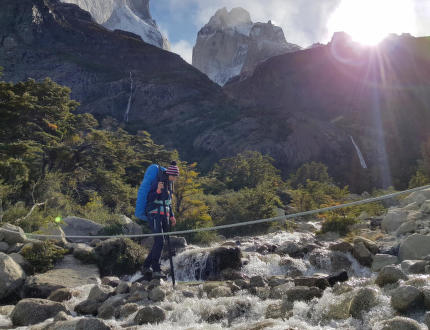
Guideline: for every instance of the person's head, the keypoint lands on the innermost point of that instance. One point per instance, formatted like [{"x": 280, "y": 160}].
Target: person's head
[{"x": 172, "y": 171}]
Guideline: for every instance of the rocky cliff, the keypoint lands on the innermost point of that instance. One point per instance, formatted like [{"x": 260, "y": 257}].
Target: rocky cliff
[
  {"x": 128, "y": 15},
  {"x": 231, "y": 44},
  {"x": 378, "y": 95}
]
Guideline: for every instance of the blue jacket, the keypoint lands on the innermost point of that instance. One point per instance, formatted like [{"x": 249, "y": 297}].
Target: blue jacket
[{"x": 151, "y": 175}]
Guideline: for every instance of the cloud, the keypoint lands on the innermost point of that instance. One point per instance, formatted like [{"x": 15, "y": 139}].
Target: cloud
[{"x": 184, "y": 49}]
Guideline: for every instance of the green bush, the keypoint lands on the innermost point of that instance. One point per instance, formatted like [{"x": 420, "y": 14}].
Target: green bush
[
  {"x": 338, "y": 224},
  {"x": 43, "y": 255}
]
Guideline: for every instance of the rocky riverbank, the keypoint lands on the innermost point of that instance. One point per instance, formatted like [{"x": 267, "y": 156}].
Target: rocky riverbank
[{"x": 378, "y": 279}]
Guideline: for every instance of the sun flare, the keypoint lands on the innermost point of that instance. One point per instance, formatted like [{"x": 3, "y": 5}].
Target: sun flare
[{"x": 370, "y": 21}]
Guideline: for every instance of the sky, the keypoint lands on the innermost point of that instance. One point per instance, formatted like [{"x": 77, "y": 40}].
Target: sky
[{"x": 304, "y": 22}]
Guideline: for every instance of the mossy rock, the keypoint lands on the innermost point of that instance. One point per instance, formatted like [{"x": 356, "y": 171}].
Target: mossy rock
[
  {"x": 42, "y": 255},
  {"x": 119, "y": 256}
]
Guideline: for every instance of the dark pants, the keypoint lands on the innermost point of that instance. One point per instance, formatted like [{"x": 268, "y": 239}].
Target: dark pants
[{"x": 156, "y": 223}]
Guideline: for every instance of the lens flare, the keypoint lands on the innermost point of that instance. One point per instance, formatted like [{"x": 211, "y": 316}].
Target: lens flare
[{"x": 58, "y": 219}]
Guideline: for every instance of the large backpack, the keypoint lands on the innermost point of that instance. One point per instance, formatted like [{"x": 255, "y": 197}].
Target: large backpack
[{"x": 153, "y": 173}]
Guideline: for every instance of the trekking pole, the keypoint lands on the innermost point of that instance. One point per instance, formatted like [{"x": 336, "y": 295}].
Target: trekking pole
[{"x": 172, "y": 270}]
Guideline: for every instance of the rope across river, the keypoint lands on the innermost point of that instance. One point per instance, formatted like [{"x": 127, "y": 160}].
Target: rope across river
[{"x": 246, "y": 223}]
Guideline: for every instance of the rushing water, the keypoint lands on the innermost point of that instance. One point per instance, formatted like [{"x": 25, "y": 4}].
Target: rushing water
[{"x": 243, "y": 309}]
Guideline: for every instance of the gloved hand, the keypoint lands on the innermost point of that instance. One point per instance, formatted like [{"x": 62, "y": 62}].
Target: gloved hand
[{"x": 173, "y": 221}]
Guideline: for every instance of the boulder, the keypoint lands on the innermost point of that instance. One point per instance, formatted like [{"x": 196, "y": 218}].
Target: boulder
[
  {"x": 84, "y": 253},
  {"x": 418, "y": 197},
  {"x": 274, "y": 311},
  {"x": 150, "y": 315},
  {"x": 261, "y": 292},
  {"x": 52, "y": 229},
  {"x": 279, "y": 291},
  {"x": 107, "y": 309},
  {"x": 12, "y": 234},
  {"x": 425, "y": 207},
  {"x": 414, "y": 247},
  {"x": 126, "y": 310},
  {"x": 277, "y": 280},
  {"x": 292, "y": 249},
  {"x": 88, "y": 307},
  {"x": 12, "y": 276},
  {"x": 406, "y": 297},
  {"x": 364, "y": 300},
  {"x": 74, "y": 226},
  {"x": 390, "y": 274},
  {"x": 62, "y": 316},
  {"x": 426, "y": 294},
  {"x": 339, "y": 261},
  {"x": 4, "y": 247},
  {"x": 344, "y": 247},
  {"x": 81, "y": 324},
  {"x": 309, "y": 281},
  {"x": 220, "y": 291},
  {"x": 393, "y": 219},
  {"x": 382, "y": 260},
  {"x": 100, "y": 292},
  {"x": 61, "y": 295},
  {"x": 407, "y": 227},
  {"x": 257, "y": 281},
  {"x": 25, "y": 265},
  {"x": 112, "y": 281},
  {"x": 157, "y": 294},
  {"x": 129, "y": 227},
  {"x": 219, "y": 259},
  {"x": 299, "y": 293},
  {"x": 414, "y": 266},
  {"x": 427, "y": 319},
  {"x": 401, "y": 323},
  {"x": 231, "y": 274},
  {"x": 341, "y": 276},
  {"x": 370, "y": 245},
  {"x": 33, "y": 310},
  {"x": 362, "y": 254},
  {"x": 6, "y": 309},
  {"x": 123, "y": 287}
]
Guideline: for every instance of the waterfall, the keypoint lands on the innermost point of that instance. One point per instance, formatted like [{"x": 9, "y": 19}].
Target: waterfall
[
  {"x": 127, "y": 110},
  {"x": 359, "y": 154}
]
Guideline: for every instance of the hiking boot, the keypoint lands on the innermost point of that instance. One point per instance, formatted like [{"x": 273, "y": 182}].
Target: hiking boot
[
  {"x": 145, "y": 270},
  {"x": 157, "y": 275}
]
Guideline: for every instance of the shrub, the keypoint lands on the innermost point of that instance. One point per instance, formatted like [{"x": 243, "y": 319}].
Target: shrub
[
  {"x": 338, "y": 224},
  {"x": 43, "y": 255}
]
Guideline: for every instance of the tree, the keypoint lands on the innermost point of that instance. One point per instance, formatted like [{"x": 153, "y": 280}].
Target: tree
[{"x": 310, "y": 171}]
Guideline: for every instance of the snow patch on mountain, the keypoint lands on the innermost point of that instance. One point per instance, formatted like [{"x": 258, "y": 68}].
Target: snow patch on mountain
[{"x": 128, "y": 15}]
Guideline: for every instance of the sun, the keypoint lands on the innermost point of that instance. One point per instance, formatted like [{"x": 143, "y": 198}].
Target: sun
[{"x": 370, "y": 21}]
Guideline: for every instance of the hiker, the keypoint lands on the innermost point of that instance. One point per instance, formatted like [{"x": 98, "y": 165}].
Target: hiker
[{"x": 156, "y": 208}]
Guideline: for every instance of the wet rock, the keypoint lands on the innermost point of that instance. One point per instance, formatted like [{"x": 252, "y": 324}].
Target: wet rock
[
  {"x": 74, "y": 226},
  {"x": 221, "y": 258},
  {"x": 319, "y": 259},
  {"x": 100, "y": 293},
  {"x": 243, "y": 284},
  {"x": 62, "y": 316},
  {"x": 239, "y": 308},
  {"x": 231, "y": 274},
  {"x": 150, "y": 315},
  {"x": 426, "y": 295},
  {"x": 88, "y": 307},
  {"x": 362, "y": 254},
  {"x": 154, "y": 283},
  {"x": 390, "y": 274},
  {"x": 414, "y": 247},
  {"x": 33, "y": 310},
  {"x": 414, "y": 266},
  {"x": 274, "y": 311},
  {"x": 112, "y": 281},
  {"x": 84, "y": 253},
  {"x": 393, "y": 219},
  {"x": 6, "y": 310},
  {"x": 339, "y": 262},
  {"x": 107, "y": 309},
  {"x": 406, "y": 297},
  {"x": 257, "y": 281},
  {"x": 261, "y": 292},
  {"x": 293, "y": 249},
  {"x": 36, "y": 287},
  {"x": 341, "y": 276},
  {"x": 126, "y": 310},
  {"x": 382, "y": 260},
  {"x": 12, "y": 234},
  {"x": 138, "y": 296},
  {"x": 277, "y": 280},
  {"x": 364, "y": 299},
  {"x": 266, "y": 324},
  {"x": 370, "y": 245},
  {"x": 279, "y": 291},
  {"x": 427, "y": 319},
  {"x": 306, "y": 227},
  {"x": 136, "y": 286},
  {"x": 215, "y": 314},
  {"x": 81, "y": 324},
  {"x": 310, "y": 281},
  {"x": 188, "y": 294},
  {"x": 300, "y": 293},
  {"x": 12, "y": 276},
  {"x": 337, "y": 311},
  {"x": 401, "y": 323},
  {"x": 61, "y": 295},
  {"x": 157, "y": 294},
  {"x": 344, "y": 247},
  {"x": 123, "y": 287},
  {"x": 220, "y": 291}
]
